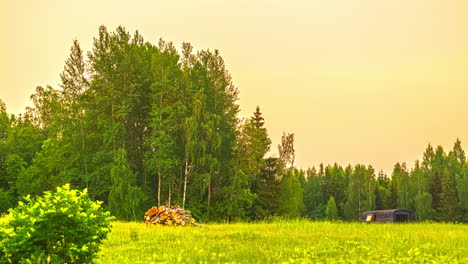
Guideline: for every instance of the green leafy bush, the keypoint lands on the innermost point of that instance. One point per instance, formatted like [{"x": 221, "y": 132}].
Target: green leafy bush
[
  {"x": 59, "y": 227},
  {"x": 5, "y": 201}
]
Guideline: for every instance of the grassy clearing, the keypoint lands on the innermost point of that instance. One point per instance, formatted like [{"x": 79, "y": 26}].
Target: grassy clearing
[{"x": 288, "y": 242}]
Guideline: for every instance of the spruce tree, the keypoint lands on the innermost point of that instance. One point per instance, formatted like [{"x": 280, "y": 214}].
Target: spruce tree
[
  {"x": 462, "y": 190},
  {"x": 447, "y": 210}
]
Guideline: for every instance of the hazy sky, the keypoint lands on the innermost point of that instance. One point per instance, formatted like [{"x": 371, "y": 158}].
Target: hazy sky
[{"x": 360, "y": 81}]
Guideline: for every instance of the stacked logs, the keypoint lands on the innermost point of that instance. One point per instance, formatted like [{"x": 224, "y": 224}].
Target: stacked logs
[{"x": 171, "y": 216}]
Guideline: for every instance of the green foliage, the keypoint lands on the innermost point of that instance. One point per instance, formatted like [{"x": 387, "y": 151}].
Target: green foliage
[
  {"x": 448, "y": 199},
  {"x": 320, "y": 212},
  {"x": 423, "y": 206},
  {"x": 124, "y": 197},
  {"x": 331, "y": 211},
  {"x": 266, "y": 188},
  {"x": 5, "y": 201},
  {"x": 59, "y": 227},
  {"x": 360, "y": 192},
  {"x": 290, "y": 199},
  {"x": 313, "y": 192},
  {"x": 462, "y": 188},
  {"x": 392, "y": 199},
  {"x": 251, "y": 169},
  {"x": 334, "y": 183},
  {"x": 401, "y": 178}
]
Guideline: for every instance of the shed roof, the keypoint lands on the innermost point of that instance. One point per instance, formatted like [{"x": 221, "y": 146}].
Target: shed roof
[{"x": 390, "y": 211}]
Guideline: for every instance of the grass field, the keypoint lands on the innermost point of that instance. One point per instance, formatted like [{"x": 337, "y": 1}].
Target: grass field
[{"x": 288, "y": 242}]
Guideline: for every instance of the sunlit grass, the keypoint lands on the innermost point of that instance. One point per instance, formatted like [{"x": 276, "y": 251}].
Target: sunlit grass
[{"x": 288, "y": 242}]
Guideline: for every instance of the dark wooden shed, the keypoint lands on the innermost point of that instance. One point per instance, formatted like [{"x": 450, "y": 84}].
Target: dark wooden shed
[{"x": 387, "y": 216}]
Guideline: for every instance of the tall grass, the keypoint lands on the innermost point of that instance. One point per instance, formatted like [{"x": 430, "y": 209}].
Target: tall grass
[{"x": 288, "y": 242}]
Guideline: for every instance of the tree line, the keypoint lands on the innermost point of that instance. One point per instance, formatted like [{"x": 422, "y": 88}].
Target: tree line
[{"x": 140, "y": 124}]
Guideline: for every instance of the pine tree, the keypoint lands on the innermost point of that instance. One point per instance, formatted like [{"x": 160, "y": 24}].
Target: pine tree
[
  {"x": 437, "y": 171},
  {"x": 258, "y": 119},
  {"x": 267, "y": 190},
  {"x": 462, "y": 190},
  {"x": 447, "y": 210}
]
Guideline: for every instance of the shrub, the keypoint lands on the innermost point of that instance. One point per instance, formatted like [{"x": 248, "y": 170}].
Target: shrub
[
  {"x": 5, "y": 201},
  {"x": 59, "y": 227}
]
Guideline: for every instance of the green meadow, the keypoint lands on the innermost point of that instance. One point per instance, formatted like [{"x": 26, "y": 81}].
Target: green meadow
[{"x": 287, "y": 242}]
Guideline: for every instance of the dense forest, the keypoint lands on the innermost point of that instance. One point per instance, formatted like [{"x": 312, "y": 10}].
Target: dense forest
[{"x": 142, "y": 125}]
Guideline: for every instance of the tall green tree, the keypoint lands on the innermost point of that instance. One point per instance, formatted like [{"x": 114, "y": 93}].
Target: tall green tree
[
  {"x": 334, "y": 183},
  {"x": 437, "y": 172},
  {"x": 422, "y": 199},
  {"x": 4, "y": 127},
  {"x": 14, "y": 166},
  {"x": 124, "y": 196},
  {"x": 462, "y": 190},
  {"x": 72, "y": 116},
  {"x": 161, "y": 157},
  {"x": 313, "y": 191},
  {"x": 252, "y": 145},
  {"x": 360, "y": 192},
  {"x": 392, "y": 199},
  {"x": 423, "y": 206},
  {"x": 401, "y": 179},
  {"x": 267, "y": 190},
  {"x": 448, "y": 199},
  {"x": 291, "y": 203}
]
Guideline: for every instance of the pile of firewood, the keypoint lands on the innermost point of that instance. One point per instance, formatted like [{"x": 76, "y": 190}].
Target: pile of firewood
[{"x": 171, "y": 216}]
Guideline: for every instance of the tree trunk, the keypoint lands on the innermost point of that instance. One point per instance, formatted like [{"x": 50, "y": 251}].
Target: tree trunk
[
  {"x": 169, "y": 195},
  {"x": 82, "y": 152},
  {"x": 185, "y": 182},
  {"x": 159, "y": 187},
  {"x": 209, "y": 198}
]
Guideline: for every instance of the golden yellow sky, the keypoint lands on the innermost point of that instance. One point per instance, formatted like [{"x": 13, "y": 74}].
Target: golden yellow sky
[{"x": 358, "y": 81}]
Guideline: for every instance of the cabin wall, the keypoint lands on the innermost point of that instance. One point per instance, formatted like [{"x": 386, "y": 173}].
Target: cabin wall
[{"x": 386, "y": 216}]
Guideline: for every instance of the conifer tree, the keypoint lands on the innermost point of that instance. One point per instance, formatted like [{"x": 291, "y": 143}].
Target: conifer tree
[
  {"x": 447, "y": 210},
  {"x": 462, "y": 190},
  {"x": 437, "y": 171}
]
